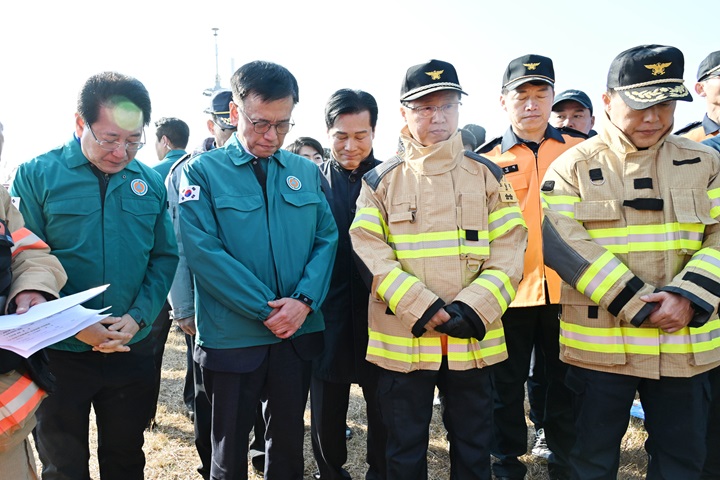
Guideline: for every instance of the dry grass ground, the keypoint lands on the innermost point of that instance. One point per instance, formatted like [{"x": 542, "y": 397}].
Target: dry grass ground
[{"x": 171, "y": 455}]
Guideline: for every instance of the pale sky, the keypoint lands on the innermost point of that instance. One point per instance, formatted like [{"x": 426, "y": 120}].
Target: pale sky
[{"x": 50, "y": 48}]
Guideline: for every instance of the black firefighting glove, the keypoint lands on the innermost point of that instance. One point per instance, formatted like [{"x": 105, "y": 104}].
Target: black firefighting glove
[{"x": 463, "y": 323}]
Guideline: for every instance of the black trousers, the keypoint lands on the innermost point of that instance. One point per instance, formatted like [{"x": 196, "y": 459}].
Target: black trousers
[
  {"x": 159, "y": 333},
  {"x": 711, "y": 470},
  {"x": 189, "y": 386},
  {"x": 119, "y": 387},
  {"x": 328, "y": 408},
  {"x": 525, "y": 328},
  {"x": 202, "y": 423},
  {"x": 406, "y": 405},
  {"x": 282, "y": 381},
  {"x": 676, "y": 412}
]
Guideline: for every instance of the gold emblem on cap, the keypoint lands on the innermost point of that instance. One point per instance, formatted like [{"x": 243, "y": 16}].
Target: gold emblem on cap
[
  {"x": 531, "y": 66},
  {"x": 435, "y": 75},
  {"x": 658, "y": 68}
]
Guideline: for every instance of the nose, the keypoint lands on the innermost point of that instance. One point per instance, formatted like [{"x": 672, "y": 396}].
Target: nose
[
  {"x": 120, "y": 150},
  {"x": 650, "y": 114}
]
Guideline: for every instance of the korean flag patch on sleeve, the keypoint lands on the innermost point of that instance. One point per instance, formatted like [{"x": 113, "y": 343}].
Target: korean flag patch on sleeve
[{"x": 191, "y": 192}]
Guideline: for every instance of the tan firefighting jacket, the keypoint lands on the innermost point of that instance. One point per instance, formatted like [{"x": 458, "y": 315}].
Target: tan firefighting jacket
[
  {"x": 524, "y": 169},
  {"x": 32, "y": 269},
  {"x": 621, "y": 223},
  {"x": 435, "y": 225}
]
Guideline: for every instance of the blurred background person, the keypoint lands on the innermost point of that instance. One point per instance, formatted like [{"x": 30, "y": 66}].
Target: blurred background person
[{"x": 309, "y": 148}]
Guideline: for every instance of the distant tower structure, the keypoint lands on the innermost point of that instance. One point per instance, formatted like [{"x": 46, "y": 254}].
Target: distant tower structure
[{"x": 209, "y": 91}]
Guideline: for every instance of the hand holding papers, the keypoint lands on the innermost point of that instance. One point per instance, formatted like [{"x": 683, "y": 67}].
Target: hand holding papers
[{"x": 49, "y": 322}]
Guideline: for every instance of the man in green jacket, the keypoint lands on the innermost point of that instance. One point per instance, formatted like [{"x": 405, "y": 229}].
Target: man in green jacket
[
  {"x": 104, "y": 216},
  {"x": 260, "y": 239}
]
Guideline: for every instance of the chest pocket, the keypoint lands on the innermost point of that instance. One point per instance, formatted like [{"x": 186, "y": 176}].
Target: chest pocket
[
  {"x": 692, "y": 205},
  {"x": 301, "y": 199},
  {"x": 692, "y": 211},
  {"x": 598, "y": 211},
  {"x": 403, "y": 208},
  {"x": 70, "y": 220},
  {"x": 472, "y": 218}
]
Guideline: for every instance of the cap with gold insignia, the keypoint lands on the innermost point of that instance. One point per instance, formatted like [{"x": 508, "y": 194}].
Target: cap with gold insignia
[
  {"x": 528, "y": 68},
  {"x": 647, "y": 75},
  {"x": 709, "y": 67},
  {"x": 429, "y": 77},
  {"x": 220, "y": 107}
]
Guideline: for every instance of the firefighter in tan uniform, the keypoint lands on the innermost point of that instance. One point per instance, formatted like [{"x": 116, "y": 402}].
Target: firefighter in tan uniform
[
  {"x": 28, "y": 275},
  {"x": 439, "y": 231},
  {"x": 525, "y": 152},
  {"x": 632, "y": 227},
  {"x": 708, "y": 87}
]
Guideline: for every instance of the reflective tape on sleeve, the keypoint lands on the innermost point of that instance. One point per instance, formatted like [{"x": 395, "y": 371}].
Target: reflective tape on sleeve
[
  {"x": 394, "y": 286},
  {"x": 600, "y": 276},
  {"x": 503, "y": 220}
]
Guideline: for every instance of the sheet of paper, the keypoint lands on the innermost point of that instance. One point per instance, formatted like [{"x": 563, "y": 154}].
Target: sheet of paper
[
  {"x": 47, "y": 309},
  {"x": 49, "y": 322},
  {"x": 28, "y": 339}
]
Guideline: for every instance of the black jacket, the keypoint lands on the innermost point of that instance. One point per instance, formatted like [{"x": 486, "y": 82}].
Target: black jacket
[{"x": 345, "y": 307}]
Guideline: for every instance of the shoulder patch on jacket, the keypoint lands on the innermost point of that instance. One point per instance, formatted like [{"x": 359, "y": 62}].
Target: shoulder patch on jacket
[
  {"x": 493, "y": 167},
  {"x": 374, "y": 176},
  {"x": 489, "y": 145},
  {"x": 688, "y": 127}
]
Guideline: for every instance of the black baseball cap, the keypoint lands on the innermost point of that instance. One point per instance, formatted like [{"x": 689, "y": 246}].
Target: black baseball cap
[
  {"x": 220, "y": 108},
  {"x": 429, "y": 77},
  {"x": 709, "y": 67},
  {"x": 647, "y": 75},
  {"x": 528, "y": 68},
  {"x": 575, "y": 95}
]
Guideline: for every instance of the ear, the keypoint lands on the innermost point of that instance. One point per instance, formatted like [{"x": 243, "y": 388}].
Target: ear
[
  {"x": 502, "y": 102},
  {"x": 700, "y": 89},
  {"x": 211, "y": 126},
  {"x": 234, "y": 113},
  {"x": 79, "y": 125},
  {"x": 403, "y": 112},
  {"x": 592, "y": 121},
  {"x": 606, "y": 101}
]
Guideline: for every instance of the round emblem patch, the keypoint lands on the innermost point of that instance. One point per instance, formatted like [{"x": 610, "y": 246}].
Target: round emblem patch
[
  {"x": 293, "y": 182},
  {"x": 139, "y": 187}
]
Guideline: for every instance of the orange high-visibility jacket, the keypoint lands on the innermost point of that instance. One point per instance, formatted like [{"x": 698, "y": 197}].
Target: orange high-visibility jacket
[{"x": 524, "y": 168}]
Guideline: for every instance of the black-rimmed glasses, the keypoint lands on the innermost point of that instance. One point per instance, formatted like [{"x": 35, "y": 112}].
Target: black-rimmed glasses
[{"x": 263, "y": 126}]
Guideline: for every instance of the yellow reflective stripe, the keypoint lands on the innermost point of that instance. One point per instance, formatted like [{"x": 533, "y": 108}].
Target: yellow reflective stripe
[
  {"x": 394, "y": 286},
  {"x": 504, "y": 219},
  {"x": 370, "y": 219},
  {"x": 438, "y": 244},
  {"x": 650, "y": 238},
  {"x": 706, "y": 259},
  {"x": 563, "y": 204},
  {"x": 714, "y": 195},
  {"x": 602, "y": 274},
  {"x": 641, "y": 341},
  {"x": 498, "y": 283},
  {"x": 403, "y": 349},
  {"x": 469, "y": 349}
]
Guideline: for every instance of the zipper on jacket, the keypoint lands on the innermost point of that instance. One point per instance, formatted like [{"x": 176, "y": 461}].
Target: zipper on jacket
[{"x": 261, "y": 177}]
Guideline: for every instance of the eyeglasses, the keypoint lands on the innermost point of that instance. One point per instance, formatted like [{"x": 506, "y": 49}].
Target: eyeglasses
[
  {"x": 263, "y": 126},
  {"x": 111, "y": 146},
  {"x": 427, "y": 111}
]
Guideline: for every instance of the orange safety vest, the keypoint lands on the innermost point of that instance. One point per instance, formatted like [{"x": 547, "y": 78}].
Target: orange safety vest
[{"x": 524, "y": 171}]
